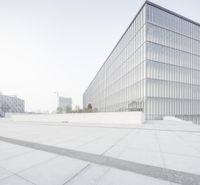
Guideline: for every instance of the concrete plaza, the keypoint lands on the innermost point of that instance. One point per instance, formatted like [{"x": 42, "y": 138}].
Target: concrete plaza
[{"x": 52, "y": 153}]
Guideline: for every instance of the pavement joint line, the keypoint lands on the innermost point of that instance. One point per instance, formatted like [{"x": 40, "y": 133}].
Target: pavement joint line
[
  {"x": 16, "y": 155},
  {"x": 77, "y": 174},
  {"x": 115, "y": 143},
  {"x": 16, "y": 175},
  {"x": 103, "y": 127},
  {"x": 170, "y": 175},
  {"x": 93, "y": 140}
]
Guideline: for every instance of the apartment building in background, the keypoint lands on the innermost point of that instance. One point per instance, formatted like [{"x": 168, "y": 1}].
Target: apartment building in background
[
  {"x": 11, "y": 104},
  {"x": 154, "y": 68},
  {"x": 65, "y": 103}
]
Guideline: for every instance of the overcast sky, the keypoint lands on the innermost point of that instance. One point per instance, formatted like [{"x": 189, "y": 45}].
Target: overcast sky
[{"x": 59, "y": 45}]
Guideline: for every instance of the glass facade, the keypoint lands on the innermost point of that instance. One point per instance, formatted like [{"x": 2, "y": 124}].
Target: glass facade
[
  {"x": 11, "y": 104},
  {"x": 172, "y": 65},
  {"x": 154, "y": 68}
]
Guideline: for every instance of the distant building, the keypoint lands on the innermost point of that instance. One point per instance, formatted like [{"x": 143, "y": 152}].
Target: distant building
[
  {"x": 10, "y": 104},
  {"x": 65, "y": 104}
]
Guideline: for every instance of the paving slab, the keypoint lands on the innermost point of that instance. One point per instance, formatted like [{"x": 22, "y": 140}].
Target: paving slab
[{"x": 158, "y": 152}]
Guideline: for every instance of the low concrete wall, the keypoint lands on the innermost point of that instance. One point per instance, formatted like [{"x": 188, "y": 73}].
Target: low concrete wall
[{"x": 111, "y": 117}]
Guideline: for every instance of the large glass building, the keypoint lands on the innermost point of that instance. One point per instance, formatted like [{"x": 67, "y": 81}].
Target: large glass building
[{"x": 154, "y": 68}]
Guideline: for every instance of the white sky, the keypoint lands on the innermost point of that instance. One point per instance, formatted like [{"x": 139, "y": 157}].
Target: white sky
[{"x": 59, "y": 45}]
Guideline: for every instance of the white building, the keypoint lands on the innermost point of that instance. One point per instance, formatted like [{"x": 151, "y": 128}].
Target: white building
[
  {"x": 154, "y": 68},
  {"x": 11, "y": 104},
  {"x": 65, "y": 103}
]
